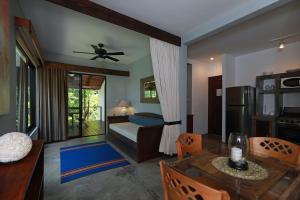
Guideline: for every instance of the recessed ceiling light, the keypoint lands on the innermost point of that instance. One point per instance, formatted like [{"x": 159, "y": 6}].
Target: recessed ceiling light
[
  {"x": 212, "y": 58},
  {"x": 281, "y": 46}
]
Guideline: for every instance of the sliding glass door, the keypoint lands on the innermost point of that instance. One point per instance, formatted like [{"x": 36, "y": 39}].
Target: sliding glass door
[
  {"x": 74, "y": 105},
  {"x": 86, "y": 105}
]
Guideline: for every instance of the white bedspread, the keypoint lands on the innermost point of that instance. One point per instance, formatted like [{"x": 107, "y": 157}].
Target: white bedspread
[{"x": 127, "y": 129}]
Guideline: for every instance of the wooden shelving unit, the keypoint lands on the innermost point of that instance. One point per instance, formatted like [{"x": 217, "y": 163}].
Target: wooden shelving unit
[{"x": 269, "y": 101}]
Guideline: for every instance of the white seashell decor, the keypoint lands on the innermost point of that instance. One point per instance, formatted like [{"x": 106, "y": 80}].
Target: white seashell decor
[{"x": 14, "y": 146}]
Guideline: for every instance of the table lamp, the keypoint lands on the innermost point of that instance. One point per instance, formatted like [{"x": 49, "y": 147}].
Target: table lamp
[{"x": 124, "y": 105}]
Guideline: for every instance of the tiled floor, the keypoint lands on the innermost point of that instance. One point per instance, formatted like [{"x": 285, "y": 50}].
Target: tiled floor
[{"x": 133, "y": 182}]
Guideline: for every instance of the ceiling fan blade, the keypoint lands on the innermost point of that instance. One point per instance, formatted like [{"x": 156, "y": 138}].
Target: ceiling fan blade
[
  {"x": 94, "y": 47},
  {"x": 94, "y": 58},
  {"x": 83, "y": 52},
  {"x": 111, "y": 58},
  {"x": 115, "y": 53},
  {"x": 101, "y": 45}
]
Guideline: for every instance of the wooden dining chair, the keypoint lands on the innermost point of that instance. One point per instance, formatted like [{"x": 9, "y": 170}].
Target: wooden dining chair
[
  {"x": 188, "y": 143},
  {"x": 275, "y": 147},
  {"x": 177, "y": 186}
]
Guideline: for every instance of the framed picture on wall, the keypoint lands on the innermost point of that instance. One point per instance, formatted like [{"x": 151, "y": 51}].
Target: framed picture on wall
[{"x": 148, "y": 92}]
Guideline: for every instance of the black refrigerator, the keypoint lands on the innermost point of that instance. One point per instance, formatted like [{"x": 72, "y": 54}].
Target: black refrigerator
[{"x": 240, "y": 107}]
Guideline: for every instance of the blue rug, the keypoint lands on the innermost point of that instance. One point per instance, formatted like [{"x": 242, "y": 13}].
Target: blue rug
[{"x": 82, "y": 160}]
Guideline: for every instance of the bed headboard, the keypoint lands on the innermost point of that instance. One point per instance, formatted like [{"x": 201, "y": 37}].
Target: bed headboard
[{"x": 147, "y": 114}]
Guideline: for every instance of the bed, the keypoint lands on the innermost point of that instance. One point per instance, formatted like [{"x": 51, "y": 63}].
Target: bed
[{"x": 137, "y": 135}]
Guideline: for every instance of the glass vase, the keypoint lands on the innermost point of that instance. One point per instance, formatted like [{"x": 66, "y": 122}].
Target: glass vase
[{"x": 238, "y": 151}]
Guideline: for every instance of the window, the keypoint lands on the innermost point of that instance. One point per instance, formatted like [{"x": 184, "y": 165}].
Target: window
[
  {"x": 25, "y": 93},
  {"x": 31, "y": 114},
  {"x": 148, "y": 90}
]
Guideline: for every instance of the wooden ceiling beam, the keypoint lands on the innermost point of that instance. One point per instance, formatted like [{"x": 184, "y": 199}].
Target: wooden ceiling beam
[
  {"x": 95, "y": 10},
  {"x": 25, "y": 23},
  {"x": 86, "y": 69}
]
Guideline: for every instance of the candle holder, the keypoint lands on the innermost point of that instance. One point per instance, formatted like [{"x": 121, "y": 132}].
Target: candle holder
[{"x": 238, "y": 149}]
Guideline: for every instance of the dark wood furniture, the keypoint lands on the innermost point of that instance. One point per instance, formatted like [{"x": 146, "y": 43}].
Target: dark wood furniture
[
  {"x": 148, "y": 138},
  {"x": 263, "y": 126},
  {"x": 24, "y": 179},
  {"x": 178, "y": 186},
  {"x": 268, "y": 87},
  {"x": 282, "y": 183},
  {"x": 190, "y": 123}
]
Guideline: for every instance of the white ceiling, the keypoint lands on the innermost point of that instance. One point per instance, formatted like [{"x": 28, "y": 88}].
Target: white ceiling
[
  {"x": 174, "y": 16},
  {"x": 62, "y": 31},
  {"x": 252, "y": 35}
]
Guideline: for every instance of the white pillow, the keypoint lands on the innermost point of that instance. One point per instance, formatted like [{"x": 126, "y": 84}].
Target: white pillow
[{"x": 14, "y": 146}]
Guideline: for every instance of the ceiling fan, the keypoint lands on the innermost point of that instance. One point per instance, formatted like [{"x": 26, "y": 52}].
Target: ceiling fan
[{"x": 100, "y": 52}]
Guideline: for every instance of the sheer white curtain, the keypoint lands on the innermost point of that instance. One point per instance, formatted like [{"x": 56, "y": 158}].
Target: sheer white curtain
[{"x": 165, "y": 61}]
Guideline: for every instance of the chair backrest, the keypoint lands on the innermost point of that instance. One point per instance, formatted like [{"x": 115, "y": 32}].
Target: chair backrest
[
  {"x": 274, "y": 147},
  {"x": 180, "y": 187},
  {"x": 188, "y": 143}
]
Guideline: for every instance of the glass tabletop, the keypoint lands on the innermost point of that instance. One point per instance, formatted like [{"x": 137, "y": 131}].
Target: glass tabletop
[{"x": 281, "y": 177}]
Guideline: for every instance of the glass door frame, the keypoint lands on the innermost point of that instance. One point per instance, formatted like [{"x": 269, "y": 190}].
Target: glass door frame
[
  {"x": 81, "y": 103},
  {"x": 80, "y": 106}
]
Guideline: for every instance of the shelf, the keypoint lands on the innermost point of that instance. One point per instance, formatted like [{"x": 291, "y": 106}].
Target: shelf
[
  {"x": 265, "y": 117},
  {"x": 269, "y": 76},
  {"x": 267, "y": 92},
  {"x": 289, "y": 90}
]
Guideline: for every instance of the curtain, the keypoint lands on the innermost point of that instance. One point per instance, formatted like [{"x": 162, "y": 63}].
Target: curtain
[
  {"x": 165, "y": 61},
  {"x": 51, "y": 117},
  {"x": 22, "y": 96}
]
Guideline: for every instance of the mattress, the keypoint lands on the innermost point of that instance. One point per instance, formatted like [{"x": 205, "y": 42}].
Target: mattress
[{"x": 126, "y": 129}]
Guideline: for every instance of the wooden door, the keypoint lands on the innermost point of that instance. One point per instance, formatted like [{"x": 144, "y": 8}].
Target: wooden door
[{"x": 215, "y": 105}]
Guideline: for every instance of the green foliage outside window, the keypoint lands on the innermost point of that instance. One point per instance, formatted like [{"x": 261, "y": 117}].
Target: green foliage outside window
[{"x": 90, "y": 103}]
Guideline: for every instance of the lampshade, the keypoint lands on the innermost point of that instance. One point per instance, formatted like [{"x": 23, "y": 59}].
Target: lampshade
[{"x": 124, "y": 103}]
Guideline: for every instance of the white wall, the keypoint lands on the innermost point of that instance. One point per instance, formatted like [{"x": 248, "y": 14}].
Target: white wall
[
  {"x": 8, "y": 121},
  {"x": 140, "y": 69},
  {"x": 199, "y": 96},
  {"x": 214, "y": 68},
  {"x": 242, "y": 71},
  {"x": 200, "y": 73},
  {"x": 183, "y": 86},
  {"x": 228, "y": 80},
  {"x": 270, "y": 60}
]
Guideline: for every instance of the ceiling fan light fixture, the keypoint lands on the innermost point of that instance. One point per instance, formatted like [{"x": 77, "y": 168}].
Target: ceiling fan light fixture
[
  {"x": 281, "y": 45},
  {"x": 212, "y": 59}
]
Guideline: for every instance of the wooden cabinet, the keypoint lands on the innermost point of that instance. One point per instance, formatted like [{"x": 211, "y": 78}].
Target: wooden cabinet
[
  {"x": 270, "y": 100},
  {"x": 263, "y": 126},
  {"x": 190, "y": 123},
  {"x": 24, "y": 179}
]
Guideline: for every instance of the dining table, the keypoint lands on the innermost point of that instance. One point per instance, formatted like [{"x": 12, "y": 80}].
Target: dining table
[{"x": 282, "y": 182}]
